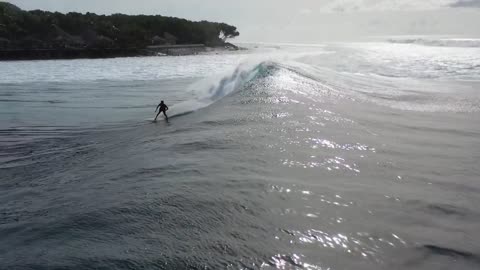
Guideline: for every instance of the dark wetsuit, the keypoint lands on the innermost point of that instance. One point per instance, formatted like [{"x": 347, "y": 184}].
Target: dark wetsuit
[{"x": 162, "y": 108}]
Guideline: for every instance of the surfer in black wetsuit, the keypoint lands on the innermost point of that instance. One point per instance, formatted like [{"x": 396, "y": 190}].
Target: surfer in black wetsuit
[{"x": 163, "y": 108}]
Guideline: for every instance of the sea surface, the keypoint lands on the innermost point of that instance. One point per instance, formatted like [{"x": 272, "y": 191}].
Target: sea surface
[{"x": 330, "y": 156}]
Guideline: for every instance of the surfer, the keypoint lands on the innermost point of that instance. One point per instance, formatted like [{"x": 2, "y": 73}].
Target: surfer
[{"x": 163, "y": 108}]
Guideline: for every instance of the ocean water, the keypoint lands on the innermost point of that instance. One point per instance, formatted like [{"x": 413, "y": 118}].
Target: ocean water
[{"x": 335, "y": 156}]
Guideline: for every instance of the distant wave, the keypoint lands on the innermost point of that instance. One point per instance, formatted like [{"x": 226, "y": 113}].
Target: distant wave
[
  {"x": 454, "y": 42},
  {"x": 33, "y": 101}
]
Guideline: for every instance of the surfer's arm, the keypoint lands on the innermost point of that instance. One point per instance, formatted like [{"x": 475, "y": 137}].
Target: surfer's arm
[
  {"x": 157, "y": 107},
  {"x": 166, "y": 107}
]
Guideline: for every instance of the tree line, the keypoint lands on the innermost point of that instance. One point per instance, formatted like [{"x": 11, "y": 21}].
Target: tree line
[{"x": 39, "y": 29}]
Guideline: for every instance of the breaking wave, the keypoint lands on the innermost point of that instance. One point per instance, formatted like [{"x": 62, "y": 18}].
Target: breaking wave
[
  {"x": 324, "y": 83},
  {"x": 447, "y": 42},
  {"x": 212, "y": 89}
]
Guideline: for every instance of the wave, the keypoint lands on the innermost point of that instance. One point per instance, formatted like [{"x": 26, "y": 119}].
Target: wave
[
  {"x": 210, "y": 90},
  {"x": 319, "y": 84},
  {"x": 447, "y": 42},
  {"x": 450, "y": 252}
]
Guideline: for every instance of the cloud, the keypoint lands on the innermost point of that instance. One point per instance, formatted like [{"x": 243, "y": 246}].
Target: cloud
[
  {"x": 466, "y": 3},
  {"x": 340, "y": 6},
  {"x": 305, "y": 11}
]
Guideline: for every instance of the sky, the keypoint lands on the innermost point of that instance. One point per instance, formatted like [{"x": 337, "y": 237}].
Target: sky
[{"x": 299, "y": 21}]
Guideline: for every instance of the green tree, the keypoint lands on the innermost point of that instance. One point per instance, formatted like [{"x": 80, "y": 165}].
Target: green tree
[{"x": 53, "y": 29}]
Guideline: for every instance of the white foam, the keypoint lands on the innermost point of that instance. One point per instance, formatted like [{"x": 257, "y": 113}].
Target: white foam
[{"x": 209, "y": 90}]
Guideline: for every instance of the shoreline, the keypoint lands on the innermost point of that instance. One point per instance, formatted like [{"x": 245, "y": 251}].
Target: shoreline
[{"x": 74, "y": 53}]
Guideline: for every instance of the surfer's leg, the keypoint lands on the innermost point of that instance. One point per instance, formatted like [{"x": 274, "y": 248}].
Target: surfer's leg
[
  {"x": 157, "y": 116},
  {"x": 166, "y": 117}
]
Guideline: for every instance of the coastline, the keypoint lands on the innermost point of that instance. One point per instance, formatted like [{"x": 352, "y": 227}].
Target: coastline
[
  {"x": 74, "y": 53},
  {"x": 44, "y": 35}
]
